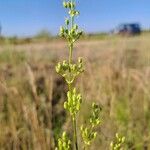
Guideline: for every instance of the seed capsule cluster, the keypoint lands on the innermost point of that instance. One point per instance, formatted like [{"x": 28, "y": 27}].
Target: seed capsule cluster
[
  {"x": 70, "y": 71},
  {"x": 64, "y": 143},
  {"x": 73, "y": 102},
  {"x": 88, "y": 132},
  {"x": 70, "y": 30},
  {"x": 87, "y": 135},
  {"x": 117, "y": 144},
  {"x": 94, "y": 118}
]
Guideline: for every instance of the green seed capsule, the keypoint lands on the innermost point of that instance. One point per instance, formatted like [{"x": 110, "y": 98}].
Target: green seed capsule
[
  {"x": 64, "y": 63},
  {"x": 80, "y": 33},
  {"x": 62, "y": 29},
  {"x": 75, "y": 27},
  {"x": 67, "y": 21},
  {"x": 65, "y": 4},
  {"x": 69, "y": 5},
  {"x": 76, "y": 13},
  {"x": 65, "y": 105},
  {"x": 72, "y": 5}
]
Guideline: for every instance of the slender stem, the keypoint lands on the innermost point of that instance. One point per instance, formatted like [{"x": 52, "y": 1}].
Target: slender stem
[
  {"x": 70, "y": 89},
  {"x": 73, "y": 117},
  {"x": 70, "y": 53},
  {"x": 84, "y": 148},
  {"x": 75, "y": 139},
  {"x": 75, "y": 132}
]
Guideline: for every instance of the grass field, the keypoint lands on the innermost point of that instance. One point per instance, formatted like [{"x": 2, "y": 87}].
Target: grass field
[{"x": 117, "y": 76}]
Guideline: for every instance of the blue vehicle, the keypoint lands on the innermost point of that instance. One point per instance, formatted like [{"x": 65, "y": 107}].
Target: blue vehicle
[{"x": 128, "y": 29}]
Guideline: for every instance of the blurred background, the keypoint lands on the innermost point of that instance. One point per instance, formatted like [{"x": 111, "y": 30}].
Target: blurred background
[{"x": 116, "y": 51}]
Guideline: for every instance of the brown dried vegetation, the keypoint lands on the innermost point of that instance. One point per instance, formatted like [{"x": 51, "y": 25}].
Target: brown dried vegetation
[{"x": 32, "y": 95}]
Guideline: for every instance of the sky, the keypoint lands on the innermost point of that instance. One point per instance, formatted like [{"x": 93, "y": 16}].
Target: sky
[{"x": 28, "y": 17}]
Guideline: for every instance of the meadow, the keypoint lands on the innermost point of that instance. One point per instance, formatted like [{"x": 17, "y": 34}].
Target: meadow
[{"x": 117, "y": 76}]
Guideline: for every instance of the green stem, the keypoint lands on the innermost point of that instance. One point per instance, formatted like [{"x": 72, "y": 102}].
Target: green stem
[
  {"x": 75, "y": 139},
  {"x": 84, "y": 148},
  {"x": 75, "y": 132},
  {"x": 73, "y": 117},
  {"x": 70, "y": 53}
]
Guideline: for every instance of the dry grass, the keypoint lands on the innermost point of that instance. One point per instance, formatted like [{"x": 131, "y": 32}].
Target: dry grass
[{"x": 31, "y": 94}]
